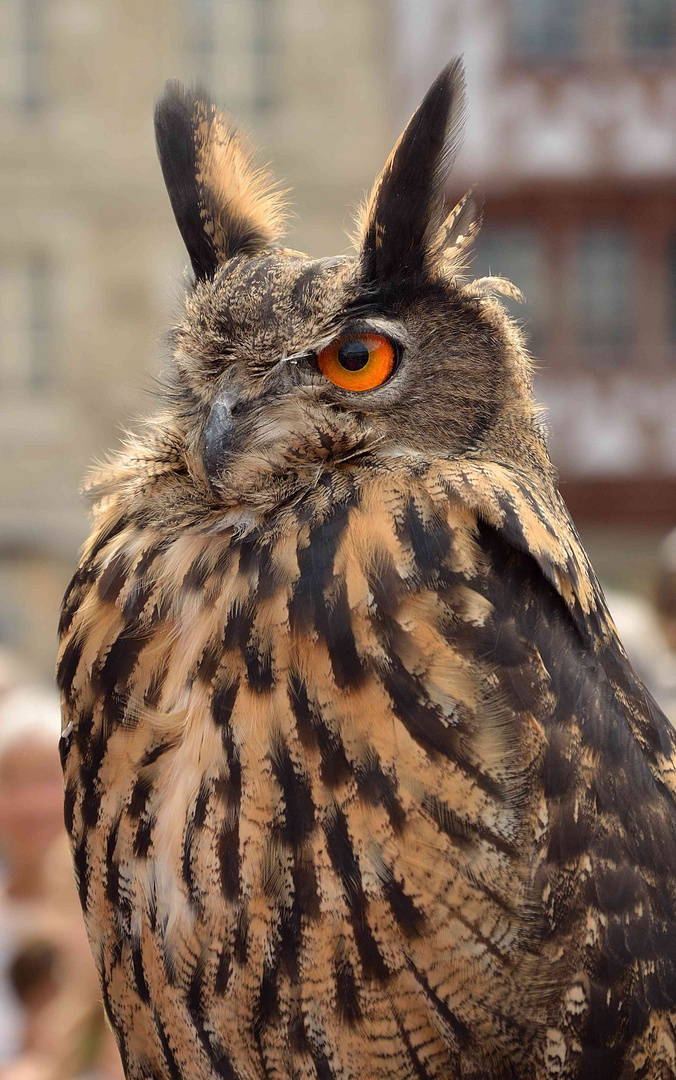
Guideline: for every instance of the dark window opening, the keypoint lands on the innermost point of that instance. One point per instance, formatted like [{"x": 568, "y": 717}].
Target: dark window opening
[
  {"x": 547, "y": 29},
  {"x": 605, "y": 281},
  {"x": 26, "y": 320},
  {"x": 515, "y": 252},
  {"x": 232, "y": 51},
  {"x": 22, "y": 55},
  {"x": 651, "y": 24},
  {"x": 262, "y": 48},
  {"x": 671, "y": 288},
  {"x": 202, "y": 40}
]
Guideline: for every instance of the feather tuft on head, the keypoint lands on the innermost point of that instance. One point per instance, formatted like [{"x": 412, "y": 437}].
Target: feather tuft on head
[
  {"x": 223, "y": 202},
  {"x": 407, "y": 206}
]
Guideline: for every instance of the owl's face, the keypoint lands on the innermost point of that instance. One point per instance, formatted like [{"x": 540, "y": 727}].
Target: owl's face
[{"x": 286, "y": 363}]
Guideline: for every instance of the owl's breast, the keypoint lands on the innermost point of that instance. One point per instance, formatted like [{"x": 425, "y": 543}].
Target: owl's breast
[{"x": 303, "y": 795}]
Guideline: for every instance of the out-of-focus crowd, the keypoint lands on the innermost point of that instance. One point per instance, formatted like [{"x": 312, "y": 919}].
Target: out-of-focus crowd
[{"x": 51, "y": 1018}]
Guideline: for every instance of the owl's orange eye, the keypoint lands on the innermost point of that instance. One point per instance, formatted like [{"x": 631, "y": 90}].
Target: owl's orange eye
[{"x": 357, "y": 361}]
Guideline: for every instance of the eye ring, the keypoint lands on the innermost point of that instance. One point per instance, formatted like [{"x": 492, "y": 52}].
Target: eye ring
[{"x": 358, "y": 362}]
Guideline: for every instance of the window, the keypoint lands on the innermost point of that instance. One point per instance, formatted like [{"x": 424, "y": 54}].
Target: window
[
  {"x": 202, "y": 39},
  {"x": 232, "y": 51},
  {"x": 547, "y": 28},
  {"x": 262, "y": 50},
  {"x": 671, "y": 288},
  {"x": 22, "y": 57},
  {"x": 605, "y": 284},
  {"x": 516, "y": 253},
  {"x": 25, "y": 324},
  {"x": 651, "y": 24}
]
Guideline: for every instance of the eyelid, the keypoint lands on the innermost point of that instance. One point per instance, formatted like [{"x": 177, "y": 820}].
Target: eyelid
[{"x": 389, "y": 328}]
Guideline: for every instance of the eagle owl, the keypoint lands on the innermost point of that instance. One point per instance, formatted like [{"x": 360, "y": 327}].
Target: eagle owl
[{"x": 359, "y": 782}]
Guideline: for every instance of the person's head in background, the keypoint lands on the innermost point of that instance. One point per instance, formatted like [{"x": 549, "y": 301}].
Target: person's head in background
[{"x": 31, "y": 813}]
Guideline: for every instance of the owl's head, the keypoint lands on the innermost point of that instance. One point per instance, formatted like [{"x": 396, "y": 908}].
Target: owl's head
[{"x": 285, "y": 366}]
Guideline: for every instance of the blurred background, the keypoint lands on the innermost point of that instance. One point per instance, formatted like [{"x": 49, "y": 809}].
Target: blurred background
[{"x": 572, "y": 135}]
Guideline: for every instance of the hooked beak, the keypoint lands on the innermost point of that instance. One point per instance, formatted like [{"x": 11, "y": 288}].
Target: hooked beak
[
  {"x": 217, "y": 438},
  {"x": 228, "y": 410}
]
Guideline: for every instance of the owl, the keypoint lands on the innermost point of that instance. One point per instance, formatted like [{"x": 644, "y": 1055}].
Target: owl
[{"x": 359, "y": 782}]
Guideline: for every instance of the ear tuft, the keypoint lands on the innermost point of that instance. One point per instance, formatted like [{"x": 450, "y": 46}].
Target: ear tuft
[
  {"x": 448, "y": 251},
  {"x": 492, "y": 287},
  {"x": 223, "y": 203},
  {"x": 406, "y": 207}
]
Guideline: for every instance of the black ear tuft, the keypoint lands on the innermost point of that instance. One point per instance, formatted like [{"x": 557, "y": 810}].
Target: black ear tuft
[
  {"x": 175, "y": 135},
  {"x": 407, "y": 205},
  {"x": 224, "y": 205}
]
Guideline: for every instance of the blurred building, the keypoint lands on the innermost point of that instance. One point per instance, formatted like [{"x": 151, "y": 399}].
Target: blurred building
[
  {"x": 572, "y": 134},
  {"x": 91, "y": 262}
]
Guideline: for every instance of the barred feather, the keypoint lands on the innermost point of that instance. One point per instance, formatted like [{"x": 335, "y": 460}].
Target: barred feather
[{"x": 359, "y": 781}]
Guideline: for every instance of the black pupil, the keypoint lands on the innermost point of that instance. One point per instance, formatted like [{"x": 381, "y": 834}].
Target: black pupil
[{"x": 354, "y": 354}]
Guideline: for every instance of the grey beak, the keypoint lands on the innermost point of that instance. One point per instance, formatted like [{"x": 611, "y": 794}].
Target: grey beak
[
  {"x": 226, "y": 415},
  {"x": 217, "y": 437}
]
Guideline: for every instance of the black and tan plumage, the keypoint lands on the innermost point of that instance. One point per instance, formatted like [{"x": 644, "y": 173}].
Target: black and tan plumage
[{"x": 359, "y": 781}]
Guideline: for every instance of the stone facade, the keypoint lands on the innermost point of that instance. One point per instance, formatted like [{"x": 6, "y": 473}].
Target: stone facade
[
  {"x": 572, "y": 132},
  {"x": 572, "y": 135},
  {"x": 92, "y": 263}
]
